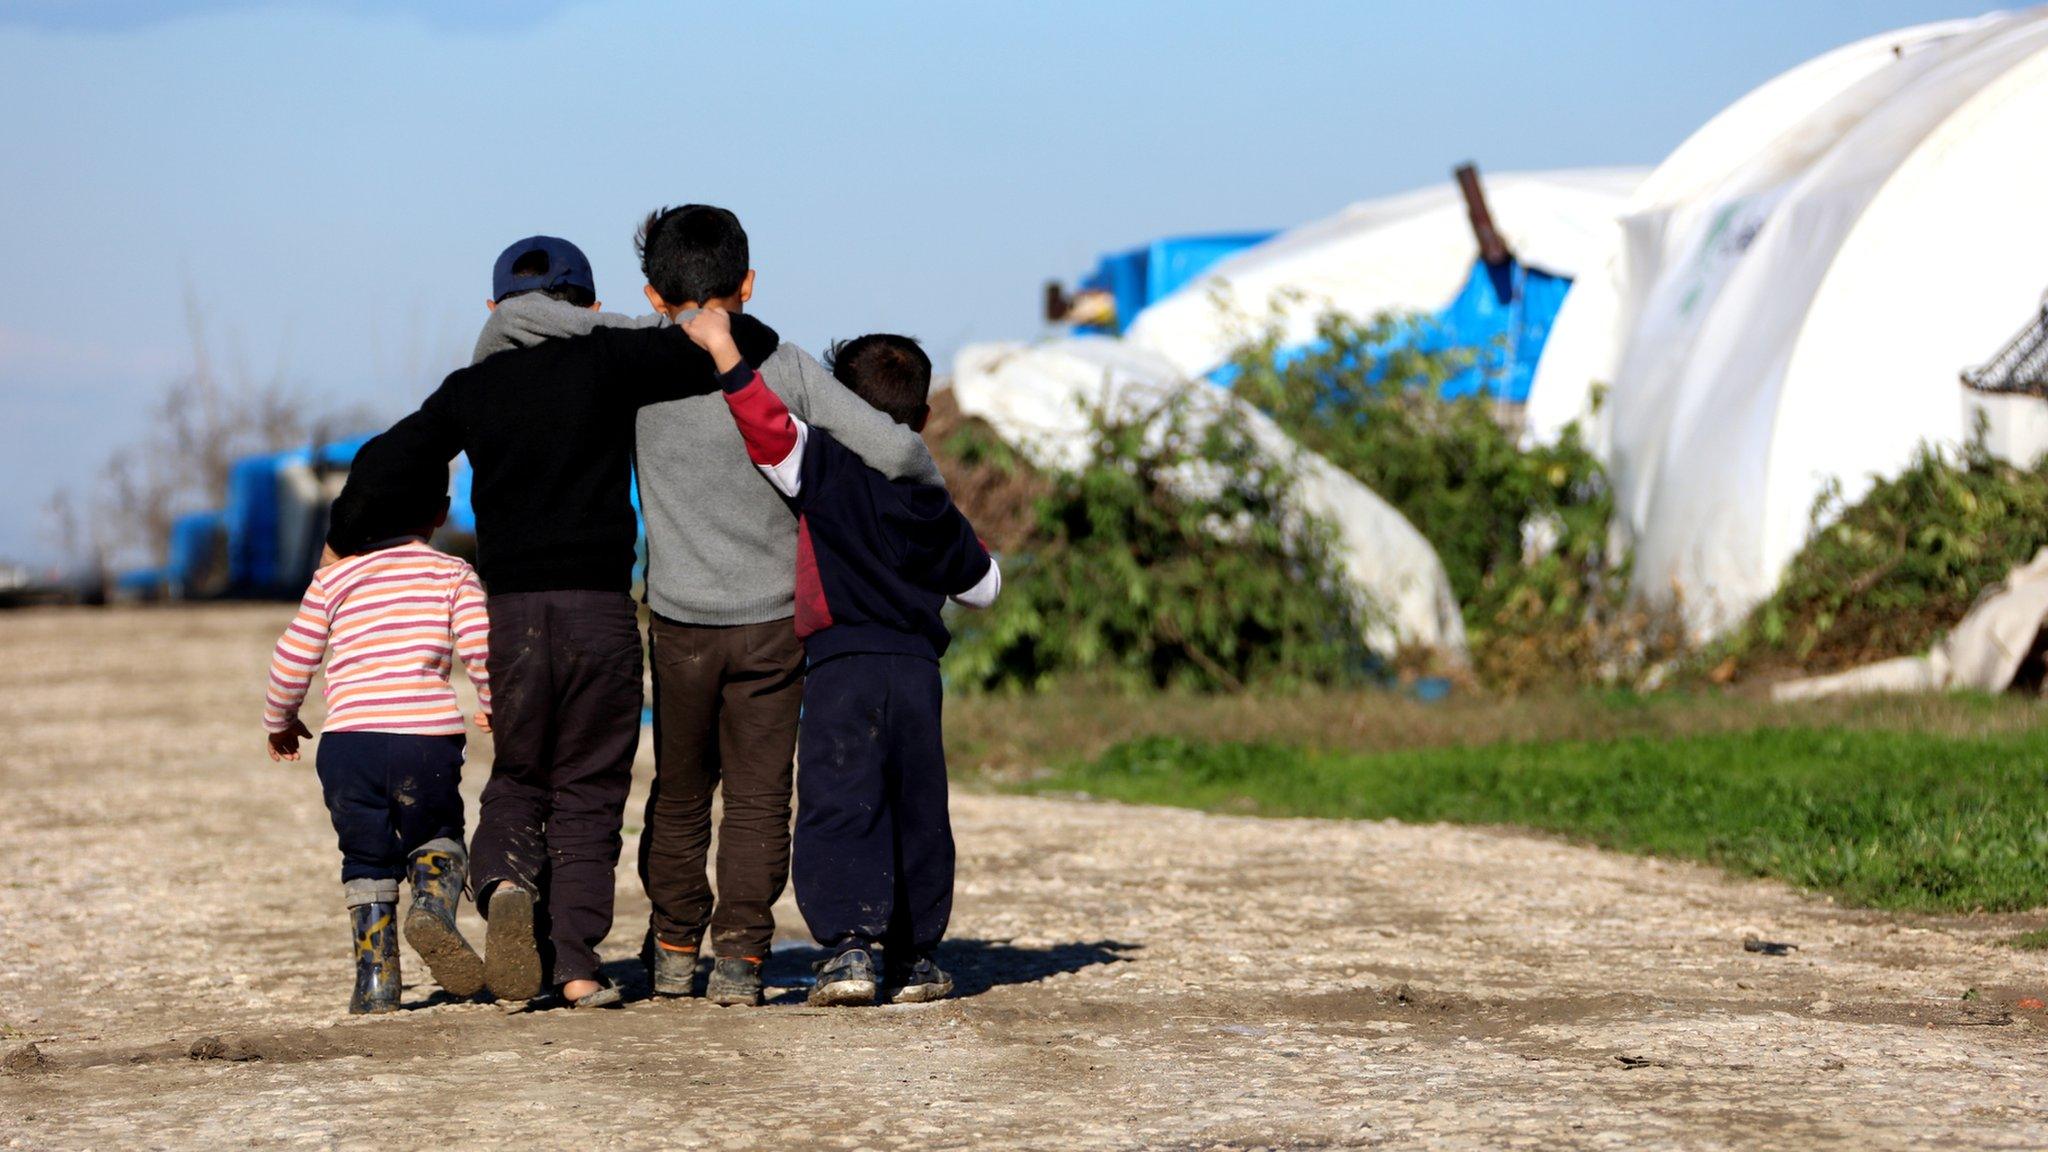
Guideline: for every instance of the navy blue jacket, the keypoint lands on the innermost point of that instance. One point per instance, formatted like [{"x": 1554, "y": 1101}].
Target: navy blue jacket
[{"x": 876, "y": 558}]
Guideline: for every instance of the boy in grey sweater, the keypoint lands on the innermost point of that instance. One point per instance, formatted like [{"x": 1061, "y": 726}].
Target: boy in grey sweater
[{"x": 721, "y": 583}]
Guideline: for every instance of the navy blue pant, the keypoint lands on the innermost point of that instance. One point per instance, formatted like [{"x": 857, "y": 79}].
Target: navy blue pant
[
  {"x": 389, "y": 793},
  {"x": 874, "y": 844}
]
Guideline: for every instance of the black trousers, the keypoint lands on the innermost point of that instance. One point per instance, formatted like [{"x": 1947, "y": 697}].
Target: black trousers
[
  {"x": 388, "y": 793},
  {"x": 874, "y": 843},
  {"x": 565, "y": 715},
  {"x": 725, "y": 715}
]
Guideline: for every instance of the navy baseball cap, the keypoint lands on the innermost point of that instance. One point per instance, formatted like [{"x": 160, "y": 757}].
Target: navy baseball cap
[{"x": 566, "y": 267}]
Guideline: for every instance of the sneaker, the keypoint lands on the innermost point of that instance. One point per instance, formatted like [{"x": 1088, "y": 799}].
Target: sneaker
[
  {"x": 511, "y": 950},
  {"x": 671, "y": 971},
  {"x": 735, "y": 981},
  {"x": 925, "y": 982},
  {"x": 845, "y": 981}
]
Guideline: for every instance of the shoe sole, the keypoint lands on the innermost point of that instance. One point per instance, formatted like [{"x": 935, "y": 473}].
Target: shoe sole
[
  {"x": 511, "y": 954},
  {"x": 843, "y": 994},
  {"x": 923, "y": 993},
  {"x": 455, "y": 965},
  {"x": 733, "y": 999}
]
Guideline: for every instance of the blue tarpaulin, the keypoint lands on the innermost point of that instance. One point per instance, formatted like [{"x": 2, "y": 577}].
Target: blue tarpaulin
[
  {"x": 1137, "y": 277},
  {"x": 1500, "y": 319}
]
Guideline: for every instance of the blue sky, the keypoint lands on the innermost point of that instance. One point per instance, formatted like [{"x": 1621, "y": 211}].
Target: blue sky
[{"x": 329, "y": 182}]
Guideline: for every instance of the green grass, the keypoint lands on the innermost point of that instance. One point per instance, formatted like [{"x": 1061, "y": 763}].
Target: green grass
[
  {"x": 2034, "y": 941},
  {"x": 1897, "y": 820}
]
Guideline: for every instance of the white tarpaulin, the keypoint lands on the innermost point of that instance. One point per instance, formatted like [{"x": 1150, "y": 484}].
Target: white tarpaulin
[
  {"x": 1984, "y": 652},
  {"x": 1795, "y": 293},
  {"x": 1037, "y": 397},
  {"x": 1406, "y": 253}
]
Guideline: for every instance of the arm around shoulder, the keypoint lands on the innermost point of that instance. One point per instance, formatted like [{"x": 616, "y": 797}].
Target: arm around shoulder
[{"x": 893, "y": 449}]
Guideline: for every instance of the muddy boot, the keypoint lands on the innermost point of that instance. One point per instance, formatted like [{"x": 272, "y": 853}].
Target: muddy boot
[
  {"x": 512, "y": 968},
  {"x": 437, "y": 877},
  {"x": 734, "y": 982},
  {"x": 671, "y": 970},
  {"x": 377, "y": 981}
]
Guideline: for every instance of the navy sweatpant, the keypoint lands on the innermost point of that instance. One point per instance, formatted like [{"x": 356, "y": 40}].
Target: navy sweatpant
[
  {"x": 874, "y": 844},
  {"x": 389, "y": 793}
]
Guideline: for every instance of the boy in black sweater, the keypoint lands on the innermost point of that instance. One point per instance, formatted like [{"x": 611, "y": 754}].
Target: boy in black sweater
[
  {"x": 550, "y": 437},
  {"x": 876, "y": 560}
]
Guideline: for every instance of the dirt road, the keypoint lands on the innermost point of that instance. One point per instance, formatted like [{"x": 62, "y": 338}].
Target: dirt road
[{"x": 1131, "y": 977}]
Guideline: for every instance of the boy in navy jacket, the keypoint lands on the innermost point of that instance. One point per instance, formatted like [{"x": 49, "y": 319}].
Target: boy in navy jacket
[{"x": 876, "y": 560}]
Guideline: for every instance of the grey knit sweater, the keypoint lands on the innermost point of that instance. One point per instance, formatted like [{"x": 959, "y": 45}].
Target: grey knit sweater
[{"x": 721, "y": 542}]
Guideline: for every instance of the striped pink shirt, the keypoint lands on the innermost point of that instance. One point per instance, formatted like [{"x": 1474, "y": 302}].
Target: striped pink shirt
[{"x": 391, "y": 623}]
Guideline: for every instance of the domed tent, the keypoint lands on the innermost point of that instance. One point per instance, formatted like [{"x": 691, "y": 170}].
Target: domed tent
[
  {"x": 1036, "y": 396},
  {"x": 1796, "y": 292},
  {"x": 1413, "y": 252}
]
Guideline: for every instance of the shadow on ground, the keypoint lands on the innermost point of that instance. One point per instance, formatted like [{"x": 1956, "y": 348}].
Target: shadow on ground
[{"x": 976, "y": 965}]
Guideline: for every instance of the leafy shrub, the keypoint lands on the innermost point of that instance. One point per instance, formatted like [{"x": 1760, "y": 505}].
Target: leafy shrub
[
  {"x": 1171, "y": 558},
  {"x": 1889, "y": 574},
  {"x": 1523, "y": 533}
]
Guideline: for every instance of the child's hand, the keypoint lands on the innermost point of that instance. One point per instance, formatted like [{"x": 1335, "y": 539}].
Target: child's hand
[
  {"x": 285, "y": 745},
  {"x": 711, "y": 330},
  {"x": 483, "y": 721}
]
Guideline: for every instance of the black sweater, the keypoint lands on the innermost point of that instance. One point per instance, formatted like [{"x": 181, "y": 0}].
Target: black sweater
[{"x": 549, "y": 433}]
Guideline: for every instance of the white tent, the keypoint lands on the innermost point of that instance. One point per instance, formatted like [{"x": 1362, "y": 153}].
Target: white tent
[
  {"x": 1410, "y": 252},
  {"x": 1795, "y": 292},
  {"x": 1036, "y": 396}
]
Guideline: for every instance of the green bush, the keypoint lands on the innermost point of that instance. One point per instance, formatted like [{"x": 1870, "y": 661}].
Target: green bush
[
  {"x": 1889, "y": 574},
  {"x": 1523, "y": 534},
  {"x": 1171, "y": 558}
]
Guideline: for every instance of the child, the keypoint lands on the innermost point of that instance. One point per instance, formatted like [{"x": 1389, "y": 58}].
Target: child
[
  {"x": 390, "y": 616},
  {"x": 876, "y": 560}
]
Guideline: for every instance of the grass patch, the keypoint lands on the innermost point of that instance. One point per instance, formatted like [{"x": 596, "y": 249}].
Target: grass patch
[
  {"x": 1898, "y": 820},
  {"x": 2034, "y": 941}
]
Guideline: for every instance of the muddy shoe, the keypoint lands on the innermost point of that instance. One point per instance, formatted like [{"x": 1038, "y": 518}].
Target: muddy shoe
[
  {"x": 846, "y": 980},
  {"x": 430, "y": 922},
  {"x": 672, "y": 971},
  {"x": 734, "y": 981},
  {"x": 377, "y": 979},
  {"x": 924, "y": 982},
  {"x": 511, "y": 953}
]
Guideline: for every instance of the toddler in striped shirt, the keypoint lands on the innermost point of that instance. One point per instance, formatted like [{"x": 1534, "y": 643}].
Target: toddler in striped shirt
[{"x": 390, "y": 618}]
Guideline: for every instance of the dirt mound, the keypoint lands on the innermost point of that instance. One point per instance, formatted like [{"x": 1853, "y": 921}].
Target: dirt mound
[{"x": 997, "y": 488}]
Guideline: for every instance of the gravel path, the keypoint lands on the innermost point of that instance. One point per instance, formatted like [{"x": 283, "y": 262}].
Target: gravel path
[{"x": 1132, "y": 977}]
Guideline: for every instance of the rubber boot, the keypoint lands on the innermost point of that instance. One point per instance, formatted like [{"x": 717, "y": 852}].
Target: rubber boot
[
  {"x": 437, "y": 878},
  {"x": 377, "y": 979}
]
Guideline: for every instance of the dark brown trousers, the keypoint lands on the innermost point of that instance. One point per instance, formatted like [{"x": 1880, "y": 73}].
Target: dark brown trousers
[{"x": 726, "y": 702}]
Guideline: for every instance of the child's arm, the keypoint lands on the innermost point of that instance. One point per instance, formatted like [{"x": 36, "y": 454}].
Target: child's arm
[
  {"x": 298, "y": 655},
  {"x": 775, "y": 439},
  {"x": 938, "y": 549},
  {"x": 470, "y": 622}
]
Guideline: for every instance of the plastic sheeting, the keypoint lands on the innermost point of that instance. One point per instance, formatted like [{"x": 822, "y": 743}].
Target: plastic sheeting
[
  {"x": 1138, "y": 277},
  {"x": 1037, "y": 397},
  {"x": 1407, "y": 253},
  {"x": 1795, "y": 292},
  {"x": 1984, "y": 652}
]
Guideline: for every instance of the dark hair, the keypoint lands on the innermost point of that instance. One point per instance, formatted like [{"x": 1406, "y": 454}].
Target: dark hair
[
  {"x": 389, "y": 493},
  {"x": 536, "y": 263},
  {"x": 891, "y": 373},
  {"x": 693, "y": 254}
]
